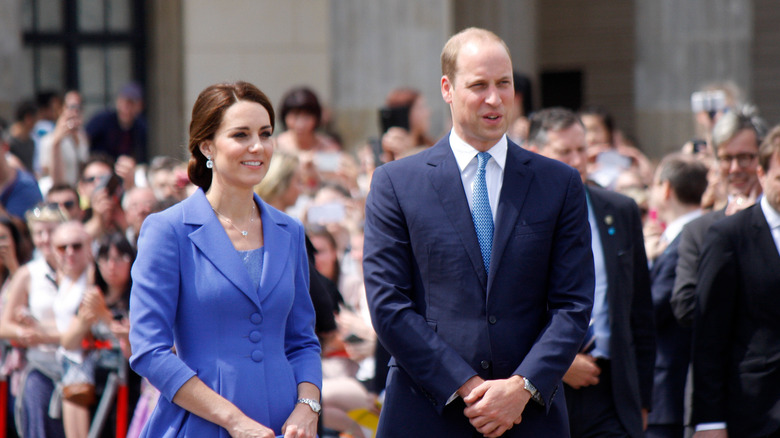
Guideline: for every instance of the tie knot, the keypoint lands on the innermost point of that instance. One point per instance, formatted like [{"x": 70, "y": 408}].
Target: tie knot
[{"x": 483, "y": 158}]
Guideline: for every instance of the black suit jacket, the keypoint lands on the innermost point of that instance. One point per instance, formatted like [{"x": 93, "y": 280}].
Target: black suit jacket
[
  {"x": 673, "y": 341},
  {"x": 736, "y": 347},
  {"x": 632, "y": 339},
  {"x": 691, "y": 242}
]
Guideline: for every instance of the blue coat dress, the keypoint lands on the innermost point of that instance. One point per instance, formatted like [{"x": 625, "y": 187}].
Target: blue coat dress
[{"x": 192, "y": 290}]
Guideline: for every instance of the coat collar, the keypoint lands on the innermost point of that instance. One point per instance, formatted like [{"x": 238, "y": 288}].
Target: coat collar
[{"x": 212, "y": 240}]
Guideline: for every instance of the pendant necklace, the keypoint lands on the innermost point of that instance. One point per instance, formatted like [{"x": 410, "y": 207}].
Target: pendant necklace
[{"x": 244, "y": 233}]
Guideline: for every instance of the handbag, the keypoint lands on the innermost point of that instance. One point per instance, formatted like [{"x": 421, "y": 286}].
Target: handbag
[{"x": 82, "y": 394}]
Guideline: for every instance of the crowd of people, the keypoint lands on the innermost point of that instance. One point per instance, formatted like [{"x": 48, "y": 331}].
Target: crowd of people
[{"x": 682, "y": 337}]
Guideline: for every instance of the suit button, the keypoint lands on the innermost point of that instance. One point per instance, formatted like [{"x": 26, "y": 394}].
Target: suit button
[
  {"x": 257, "y": 355},
  {"x": 254, "y": 336},
  {"x": 256, "y": 318},
  {"x": 492, "y": 319},
  {"x": 484, "y": 364}
]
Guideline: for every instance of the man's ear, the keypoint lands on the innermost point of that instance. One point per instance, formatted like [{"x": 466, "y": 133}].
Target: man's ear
[
  {"x": 446, "y": 89},
  {"x": 667, "y": 190}
]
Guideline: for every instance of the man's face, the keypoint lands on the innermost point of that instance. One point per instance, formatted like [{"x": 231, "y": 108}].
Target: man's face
[
  {"x": 481, "y": 96},
  {"x": 71, "y": 249},
  {"x": 67, "y": 201},
  {"x": 737, "y": 161},
  {"x": 92, "y": 176},
  {"x": 568, "y": 146},
  {"x": 770, "y": 181},
  {"x": 139, "y": 205}
]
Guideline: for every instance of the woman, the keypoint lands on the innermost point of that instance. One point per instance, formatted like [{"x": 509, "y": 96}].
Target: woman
[
  {"x": 223, "y": 277},
  {"x": 301, "y": 115},
  {"x": 103, "y": 315},
  {"x": 28, "y": 319},
  {"x": 399, "y": 142}
]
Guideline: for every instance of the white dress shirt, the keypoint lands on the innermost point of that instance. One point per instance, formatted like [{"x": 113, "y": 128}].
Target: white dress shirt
[
  {"x": 466, "y": 157},
  {"x": 773, "y": 219}
]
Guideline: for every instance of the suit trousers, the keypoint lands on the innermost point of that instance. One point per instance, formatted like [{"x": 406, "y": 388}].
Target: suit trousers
[{"x": 592, "y": 410}]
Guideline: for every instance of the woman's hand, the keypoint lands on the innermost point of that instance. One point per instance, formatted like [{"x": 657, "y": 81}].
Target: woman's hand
[
  {"x": 246, "y": 427},
  {"x": 302, "y": 423}
]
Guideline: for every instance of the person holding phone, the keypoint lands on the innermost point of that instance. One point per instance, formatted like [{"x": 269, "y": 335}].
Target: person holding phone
[
  {"x": 406, "y": 119},
  {"x": 223, "y": 277},
  {"x": 66, "y": 148}
]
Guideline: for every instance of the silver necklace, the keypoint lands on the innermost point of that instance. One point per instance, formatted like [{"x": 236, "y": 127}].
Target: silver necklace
[{"x": 244, "y": 233}]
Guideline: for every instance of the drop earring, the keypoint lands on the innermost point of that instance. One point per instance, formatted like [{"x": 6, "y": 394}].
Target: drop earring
[{"x": 209, "y": 163}]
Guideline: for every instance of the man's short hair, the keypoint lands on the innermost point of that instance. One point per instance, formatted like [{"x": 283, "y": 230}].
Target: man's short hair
[
  {"x": 24, "y": 109},
  {"x": 769, "y": 146},
  {"x": 687, "y": 177},
  {"x": 550, "y": 119},
  {"x": 731, "y": 123},
  {"x": 449, "y": 55},
  {"x": 63, "y": 187}
]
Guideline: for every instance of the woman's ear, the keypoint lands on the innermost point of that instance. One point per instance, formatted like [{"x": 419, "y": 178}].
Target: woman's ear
[{"x": 207, "y": 148}]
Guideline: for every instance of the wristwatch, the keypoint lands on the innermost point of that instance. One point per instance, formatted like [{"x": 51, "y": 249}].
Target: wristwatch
[
  {"x": 535, "y": 396},
  {"x": 313, "y": 404}
]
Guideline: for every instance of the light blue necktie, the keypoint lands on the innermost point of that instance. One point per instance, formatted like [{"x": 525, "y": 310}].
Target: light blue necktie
[{"x": 481, "y": 213}]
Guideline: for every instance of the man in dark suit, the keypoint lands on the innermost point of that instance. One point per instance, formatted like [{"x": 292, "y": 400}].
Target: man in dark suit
[
  {"x": 608, "y": 386},
  {"x": 675, "y": 193},
  {"x": 736, "y": 137},
  {"x": 478, "y": 267},
  {"x": 736, "y": 340}
]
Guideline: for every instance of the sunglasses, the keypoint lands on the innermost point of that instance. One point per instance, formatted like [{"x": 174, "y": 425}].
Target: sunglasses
[
  {"x": 67, "y": 205},
  {"x": 91, "y": 179},
  {"x": 75, "y": 246}
]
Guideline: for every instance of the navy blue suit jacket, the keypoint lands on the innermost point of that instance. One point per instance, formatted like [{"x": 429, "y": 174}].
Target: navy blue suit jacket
[
  {"x": 444, "y": 319},
  {"x": 673, "y": 356}
]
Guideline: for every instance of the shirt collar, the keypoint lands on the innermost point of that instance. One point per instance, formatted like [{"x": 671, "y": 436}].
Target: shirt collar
[
  {"x": 464, "y": 152},
  {"x": 676, "y": 226},
  {"x": 772, "y": 216}
]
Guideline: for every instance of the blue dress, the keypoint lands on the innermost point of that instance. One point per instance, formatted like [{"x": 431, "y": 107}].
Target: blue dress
[{"x": 252, "y": 345}]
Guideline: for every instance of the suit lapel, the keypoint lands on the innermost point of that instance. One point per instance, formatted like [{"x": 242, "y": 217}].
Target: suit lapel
[
  {"x": 212, "y": 240},
  {"x": 445, "y": 178},
  {"x": 277, "y": 242},
  {"x": 761, "y": 234},
  {"x": 514, "y": 188}
]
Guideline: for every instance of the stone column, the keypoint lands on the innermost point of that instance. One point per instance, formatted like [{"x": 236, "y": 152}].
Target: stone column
[{"x": 11, "y": 59}]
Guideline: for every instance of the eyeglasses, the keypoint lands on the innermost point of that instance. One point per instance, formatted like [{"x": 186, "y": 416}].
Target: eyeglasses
[
  {"x": 67, "y": 205},
  {"x": 124, "y": 258},
  {"x": 743, "y": 160},
  {"x": 75, "y": 246}
]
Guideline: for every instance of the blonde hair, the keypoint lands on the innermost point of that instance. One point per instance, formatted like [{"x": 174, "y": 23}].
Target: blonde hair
[
  {"x": 449, "y": 54},
  {"x": 280, "y": 173}
]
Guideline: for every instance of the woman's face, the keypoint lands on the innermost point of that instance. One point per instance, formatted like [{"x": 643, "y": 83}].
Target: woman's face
[
  {"x": 290, "y": 196},
  {"x": 115, "y": 268},
  {"x": 7, "y": 245},
  {"x": 41, "y": 237},
  {"x": 300, "y": 122},
  {"x": 325, "y": 258},
  {"x": 419, "y": 116},
  {"x": 242, "y": 146}
]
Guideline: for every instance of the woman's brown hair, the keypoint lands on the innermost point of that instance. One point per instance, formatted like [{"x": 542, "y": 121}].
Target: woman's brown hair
[{"x": 207, "y": 115}]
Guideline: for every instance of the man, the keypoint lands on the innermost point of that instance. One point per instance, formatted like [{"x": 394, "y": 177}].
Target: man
[
  {"x": 478, "y": 267},
  {"x": 608, "y": 386},
  {"x": 21, "y": 140},
  {"x": 675, "y": 193},
  {"x": 67, "y": 198},
  {"x": 137, "y": 203},
  {"x": 736, "y": 338},
  {"x": 121, "y": 131},
  {"x": 18, "y": 190},
  {"x": 736, "y": 138}
]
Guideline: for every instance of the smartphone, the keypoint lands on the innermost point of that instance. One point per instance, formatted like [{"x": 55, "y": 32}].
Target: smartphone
[
  {"x": 708, "y": 101},
  {"x": 390, "y": 117},
  {"x": 329, "y": 213},
  {"x": 327, "y": 161},
  {"x": 112, "y": 183}
]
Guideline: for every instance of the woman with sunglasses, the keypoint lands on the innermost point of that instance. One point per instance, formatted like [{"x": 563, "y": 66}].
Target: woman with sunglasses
[
  {"x": 223, "y": 277},
  {"x": 28, "y": 320}
]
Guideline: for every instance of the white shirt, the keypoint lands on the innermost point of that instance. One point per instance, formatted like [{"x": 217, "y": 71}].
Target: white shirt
[
  {"x": 674, "y": 228},
  {"x": 773, "y": 219},
  {"x": 466, "y": 157}
]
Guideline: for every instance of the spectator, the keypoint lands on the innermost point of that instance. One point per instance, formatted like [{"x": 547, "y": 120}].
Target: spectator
[
  {"x": 122, "y": 130},
  {"x": 49, "y": 105},
  {"x": 166, "y": 178},
  {"x": 736, "y": 341},
  {"x": 66, "y": 148},
  {"x": 522, "y": 107},
  {"x": 301, "y": 115},
  {"x": 675, "y": 194},
  {"x": 137, "y": 204},
  {"x": 400, "y": 141},
  {"x": 736, "y": 139},
  {"x": 67, "y": 198},
  {"x": 28, "y": 319},
  {"x": 18, "y": 189},
  {"x": 282, "y": 186},
  {"x": 21, "y": 140}
]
